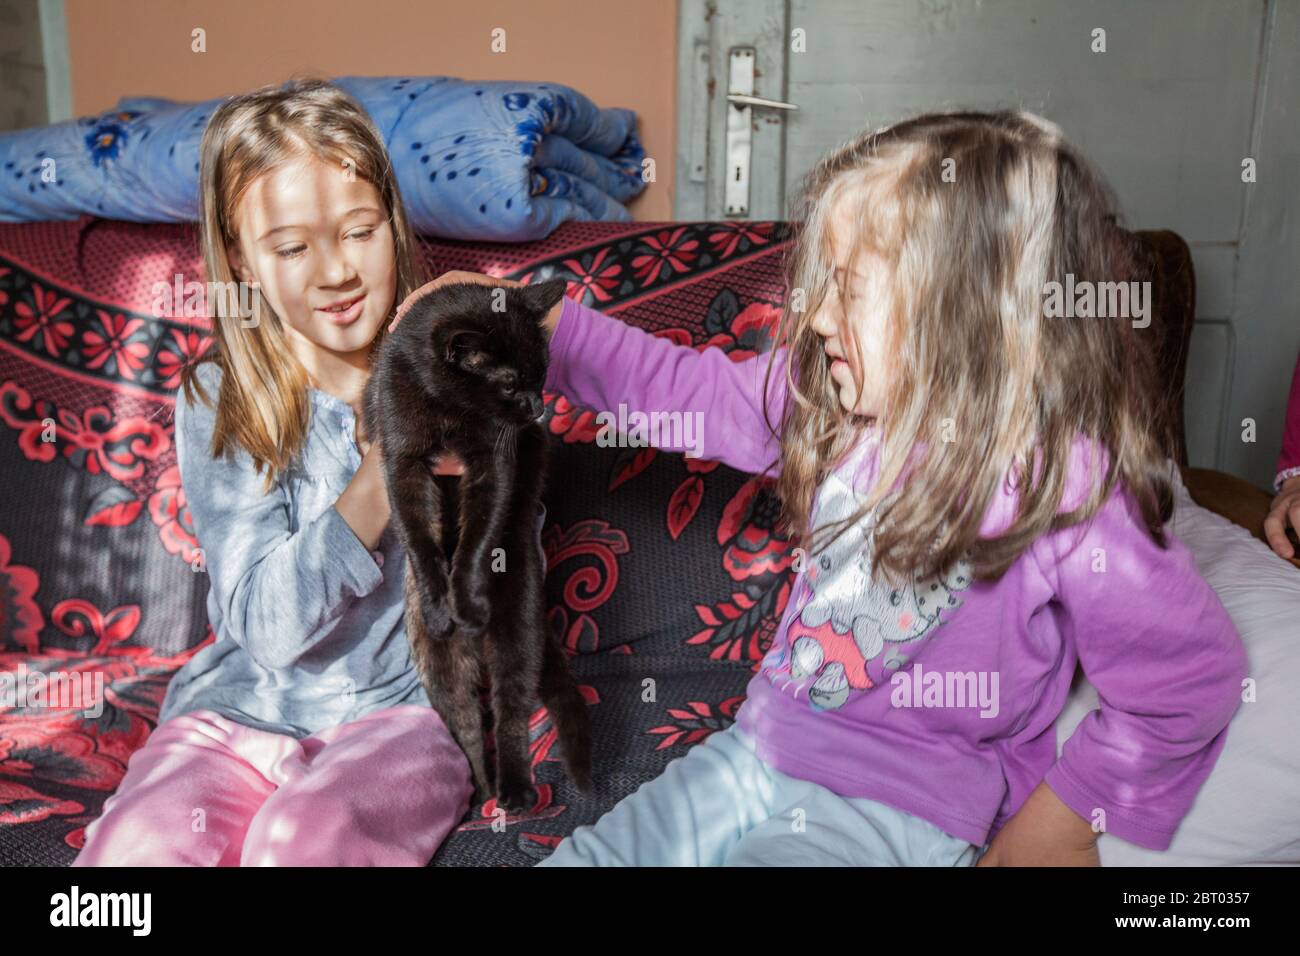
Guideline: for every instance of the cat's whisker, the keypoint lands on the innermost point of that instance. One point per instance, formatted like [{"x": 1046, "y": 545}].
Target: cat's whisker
[{"x": 504, "y": 444}]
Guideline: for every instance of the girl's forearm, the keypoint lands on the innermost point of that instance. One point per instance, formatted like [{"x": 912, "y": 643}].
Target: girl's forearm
[{"x": 699, "y": 401}]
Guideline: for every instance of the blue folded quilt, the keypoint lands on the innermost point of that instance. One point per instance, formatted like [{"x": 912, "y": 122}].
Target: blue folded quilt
[{"x": 504, "y": 161}]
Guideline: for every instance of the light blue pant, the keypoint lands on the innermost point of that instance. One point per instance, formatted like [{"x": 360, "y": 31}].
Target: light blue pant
[{"x": 720, "y": 805}]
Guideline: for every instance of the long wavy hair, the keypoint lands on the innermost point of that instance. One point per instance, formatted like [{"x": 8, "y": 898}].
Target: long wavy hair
[
  {"x": 263, "y": 404},
  {"x": 970, "y": 246}
]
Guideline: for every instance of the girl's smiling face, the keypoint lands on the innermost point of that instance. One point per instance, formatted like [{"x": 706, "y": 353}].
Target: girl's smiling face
[
  {"x": 313, "y": 238},
  {"x": 853, "y": 318}
]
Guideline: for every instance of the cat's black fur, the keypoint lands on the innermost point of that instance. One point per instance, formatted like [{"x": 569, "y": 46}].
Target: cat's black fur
[{"x": 458, "y": 375}]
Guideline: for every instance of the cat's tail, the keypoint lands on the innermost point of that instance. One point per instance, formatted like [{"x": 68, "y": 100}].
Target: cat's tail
[{"x": 568, "y": 710}]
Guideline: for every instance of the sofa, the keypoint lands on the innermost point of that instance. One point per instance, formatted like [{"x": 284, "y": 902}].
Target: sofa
[{"x": 658, "y": 565}]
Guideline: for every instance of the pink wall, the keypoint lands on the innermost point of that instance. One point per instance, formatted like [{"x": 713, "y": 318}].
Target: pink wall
[{"x": 617, "y": 52}]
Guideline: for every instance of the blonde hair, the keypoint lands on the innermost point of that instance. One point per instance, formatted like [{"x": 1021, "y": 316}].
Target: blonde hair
[
  {"x": 264, "y": 404},
  {"x": 968, "y": 261}
]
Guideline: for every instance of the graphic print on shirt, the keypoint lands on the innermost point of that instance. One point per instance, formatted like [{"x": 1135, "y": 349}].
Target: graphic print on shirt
[{"x": 849, "y": 624}]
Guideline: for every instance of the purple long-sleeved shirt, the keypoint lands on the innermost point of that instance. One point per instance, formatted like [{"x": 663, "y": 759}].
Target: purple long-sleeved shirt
[{"x": 940, "y": 698}]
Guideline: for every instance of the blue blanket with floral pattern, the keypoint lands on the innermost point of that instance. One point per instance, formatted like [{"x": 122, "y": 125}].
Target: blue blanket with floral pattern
[{"x": 499, "y": 161}]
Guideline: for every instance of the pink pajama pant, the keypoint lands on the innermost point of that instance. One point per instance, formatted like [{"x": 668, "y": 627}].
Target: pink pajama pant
[{"x": 384, "y": 790}]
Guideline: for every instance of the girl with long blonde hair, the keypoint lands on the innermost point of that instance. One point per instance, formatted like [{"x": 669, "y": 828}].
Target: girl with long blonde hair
[
  {"x": 977, "y": 487},
  {"x": 302, "y": 735}
]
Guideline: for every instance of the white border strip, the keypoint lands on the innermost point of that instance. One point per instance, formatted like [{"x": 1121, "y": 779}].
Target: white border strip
[{"x": 54, "y": 47}]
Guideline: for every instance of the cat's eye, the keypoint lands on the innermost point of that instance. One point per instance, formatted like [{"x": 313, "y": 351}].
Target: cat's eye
[{"x": 464, "y": 348}]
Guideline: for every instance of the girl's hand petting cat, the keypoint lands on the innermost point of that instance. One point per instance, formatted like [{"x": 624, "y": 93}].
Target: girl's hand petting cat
[
  {"x": 447, "y": 464},
  {"x": 1043, "y": 832},
  {"x": 447, "y": 278}
]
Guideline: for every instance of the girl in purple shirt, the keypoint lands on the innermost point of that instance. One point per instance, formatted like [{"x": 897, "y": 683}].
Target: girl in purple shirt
[{"x": 946, "y": 587}]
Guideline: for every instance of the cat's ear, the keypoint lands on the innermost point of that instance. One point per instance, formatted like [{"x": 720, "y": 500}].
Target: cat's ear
[
  {"x": 465, "y": 348},
  {"x": 540, "y": 296}
]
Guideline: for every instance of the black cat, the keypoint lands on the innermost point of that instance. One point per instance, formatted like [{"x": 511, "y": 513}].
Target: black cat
[{"x": 463, "y": 373}]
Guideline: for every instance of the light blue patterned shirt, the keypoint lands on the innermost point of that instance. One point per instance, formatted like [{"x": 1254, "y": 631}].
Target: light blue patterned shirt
[{"x": 308, "y": 622}]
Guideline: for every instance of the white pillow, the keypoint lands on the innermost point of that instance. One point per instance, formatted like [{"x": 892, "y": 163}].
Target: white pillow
[{"x": 1248, "y": 811}]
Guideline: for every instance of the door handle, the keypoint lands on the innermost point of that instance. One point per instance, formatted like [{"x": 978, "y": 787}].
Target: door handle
[
  {"x": 740, "y": 94},
  {"x": 744, "y": 99}
]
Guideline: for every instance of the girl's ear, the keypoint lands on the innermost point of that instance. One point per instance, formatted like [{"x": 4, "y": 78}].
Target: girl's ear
[{"x": 235, "y": 256}]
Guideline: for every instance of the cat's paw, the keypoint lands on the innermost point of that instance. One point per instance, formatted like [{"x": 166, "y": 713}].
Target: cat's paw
[
  {"x": 471, "y": 614},
  {"x": 438, "y": 621},
  {"x": 517, "y": 796}
]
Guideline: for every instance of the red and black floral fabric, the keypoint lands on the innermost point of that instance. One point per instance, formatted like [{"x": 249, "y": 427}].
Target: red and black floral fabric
[{"x": 666, "y": 576}]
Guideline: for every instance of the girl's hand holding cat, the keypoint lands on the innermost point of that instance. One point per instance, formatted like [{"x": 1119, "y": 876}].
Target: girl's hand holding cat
[
  {"x": 1043, "y": 832},
  {"x": 448, "y": 464},
  {"x": 364, "y": 503},
  {"x": 448, "y": 278}
]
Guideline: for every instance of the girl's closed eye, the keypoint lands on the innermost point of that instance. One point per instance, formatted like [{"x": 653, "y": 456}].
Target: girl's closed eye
[
  {"x": 293, "y": 252},
  {"x": 847, "y": 292}
]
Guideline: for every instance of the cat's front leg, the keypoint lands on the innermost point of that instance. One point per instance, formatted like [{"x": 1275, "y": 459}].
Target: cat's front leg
[
  {"x": 485, "y": 508},
  {"x": 416, "y": 501}
]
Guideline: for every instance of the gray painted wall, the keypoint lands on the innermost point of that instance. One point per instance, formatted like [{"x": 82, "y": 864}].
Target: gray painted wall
[{"x": 1185, "y": 90}]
